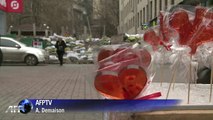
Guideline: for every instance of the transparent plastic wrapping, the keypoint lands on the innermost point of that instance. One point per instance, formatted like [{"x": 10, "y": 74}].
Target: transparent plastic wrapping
[
  {"x": 122, "y": 72},
  {"x": 194, "y": 25},
  {"x": 204, "y": 54},
  {"x": 181, "y": 31}
]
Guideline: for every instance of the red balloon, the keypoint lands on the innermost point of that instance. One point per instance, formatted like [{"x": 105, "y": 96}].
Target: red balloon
[
  {"x": 151, "y": 38},
  {"x": 199, "y": 14},
  {"x": 125, "y": 57},
  {"x": 103, "y": 54},
  {"x": 127, "y": 85},
  {"x": 133, "y": 82},
  {"x": 164, "y": 30},
  {"x": 179, "y": 20},
  {"x": 145, "y": 58},
  {"x": 120, "y": 49},
  {"x": 123, "y": 54},
  {"x": 107, "y": 64},
  {"x": 203, "y": 29},
  {"x": 109, "y": 86}
]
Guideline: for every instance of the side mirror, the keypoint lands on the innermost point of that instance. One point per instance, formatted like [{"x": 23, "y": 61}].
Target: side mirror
[{"x": 18, "y": 46}]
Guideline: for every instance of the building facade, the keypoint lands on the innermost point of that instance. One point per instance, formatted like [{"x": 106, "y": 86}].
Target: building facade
[
  {"x": 134, "y": 14},
  {"x": 61, "y": 17},
  {"x": 2, "y": 23}
]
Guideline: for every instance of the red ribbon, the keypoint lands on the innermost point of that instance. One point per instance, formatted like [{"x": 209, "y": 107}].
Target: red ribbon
[{"x": 150, "y": 96}]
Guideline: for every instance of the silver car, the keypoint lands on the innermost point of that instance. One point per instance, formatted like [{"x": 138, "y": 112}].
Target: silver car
[{"x": 15, "y": 51}]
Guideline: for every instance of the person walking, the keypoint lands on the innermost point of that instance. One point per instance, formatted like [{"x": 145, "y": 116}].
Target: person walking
[{"x": 60, "y": 49}]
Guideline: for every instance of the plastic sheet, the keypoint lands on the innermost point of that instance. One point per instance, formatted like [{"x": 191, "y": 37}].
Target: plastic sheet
[{"x": 122, "y": 72}]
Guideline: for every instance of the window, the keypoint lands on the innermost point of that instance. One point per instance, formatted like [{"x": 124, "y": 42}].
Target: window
[
  {"x": 172, "y": 2},
  {"x": 155, "y": 8},
  {"x": 166, "y": 4},
  {"x": 7, "y": 43},
  {"x": 147, "y": 13},
  {"x": 132, "y": 3},
  {"x": 144, "y": 15},
  {"x": 138, "y": 19},
  {"x": 133, "y": 21},
  {"x": 151, "y": 10},
  {"x": 129, "y": 24},
  {"x": 160, "y": 5},
  {"x": 141, "y": 17}
]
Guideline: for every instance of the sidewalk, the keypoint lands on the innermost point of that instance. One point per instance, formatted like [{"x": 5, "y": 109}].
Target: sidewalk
[
  {"x": 67, "y": 82},
  {"x": 46, "y": 82}
]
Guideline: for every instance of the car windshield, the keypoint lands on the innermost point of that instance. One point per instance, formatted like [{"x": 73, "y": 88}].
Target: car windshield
[{"x": 22, "y": 44}]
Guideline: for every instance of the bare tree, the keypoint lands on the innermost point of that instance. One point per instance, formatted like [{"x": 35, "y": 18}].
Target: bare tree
[
  {"x": 54, "y": 13},
  {"x": 109, "y": 15}
]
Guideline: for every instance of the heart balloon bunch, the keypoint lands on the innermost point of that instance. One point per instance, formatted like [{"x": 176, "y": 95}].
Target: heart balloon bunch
[
  {"x": 192, "y": 32},
  {"x": 183, "y": 27},
  {"x": 121, "y": 72},
  {"x": 160, "y": 37}
]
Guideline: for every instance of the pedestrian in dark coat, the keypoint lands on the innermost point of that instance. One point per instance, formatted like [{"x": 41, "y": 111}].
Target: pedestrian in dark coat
[{"x": 60, "y": 46}]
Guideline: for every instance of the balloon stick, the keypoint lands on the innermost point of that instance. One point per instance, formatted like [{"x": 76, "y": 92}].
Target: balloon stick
[
  {"x": 172, "y": 80},
  {"x": 190, "y": 79},
  {"x": 211, "y": 81}
]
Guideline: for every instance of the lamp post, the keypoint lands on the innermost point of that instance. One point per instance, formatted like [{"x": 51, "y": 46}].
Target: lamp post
[
  {"x": 46, "y": 31},
  {"x": 88, "y": 23},
  {"x": 10, "y": 29},
  {"x": 46, "y": 28}
]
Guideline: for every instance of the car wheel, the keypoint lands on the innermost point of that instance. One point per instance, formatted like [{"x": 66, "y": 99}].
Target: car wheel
[
  {"x": 204, "y": 75},
  {"x": 31, "y": 60},
  {"x": 73, "y": 60}
]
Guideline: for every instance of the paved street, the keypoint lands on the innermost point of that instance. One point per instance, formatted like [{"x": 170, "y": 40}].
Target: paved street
[{"x": 45, "y": 82}]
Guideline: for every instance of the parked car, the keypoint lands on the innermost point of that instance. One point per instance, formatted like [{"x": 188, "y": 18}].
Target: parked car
[{"x": 15, "y": 51}]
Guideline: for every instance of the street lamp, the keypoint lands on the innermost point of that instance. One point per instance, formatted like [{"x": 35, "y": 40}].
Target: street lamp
[
  {"x": 46, "y": 28},
  {"x": 10, "y": 29},
  {"x": 85, "y": 14},
  {"x": 46, "y": 31}
]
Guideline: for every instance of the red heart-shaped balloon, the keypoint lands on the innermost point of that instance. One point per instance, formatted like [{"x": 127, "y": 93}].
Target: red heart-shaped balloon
[
  {"x": 104, "y": 53},
  {"x": 120, "y": 49},
  {"x": 152, "y": 38},
  {"x": 199, "y": 14},
  {"x": 125, "y": 57},
  {"x": 104, "y": 58},
  {"x": 179, "y": 20},
  {"x": 133, "y": 81},
  {"x": 203, "y": 29},
  {"x": 145, "y": 58},
  {"x": 127, "y": 85},
  {"x": 109, "y": 86},
  {"x": 164, "y": 29},
  {"x": 120, "y": 55}
]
